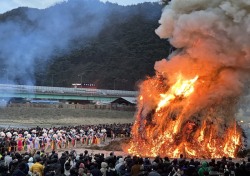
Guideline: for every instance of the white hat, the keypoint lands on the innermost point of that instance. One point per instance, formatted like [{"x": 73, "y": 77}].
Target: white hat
[
  {"x": 2, "y": 134},
  {"x": 8, "y": 134},
  {"x": 104, "y": 165},
  {"x": 31, "y": 160},
  {"x": 120, "y": 160},
  {"x": 45, "y": 135}
]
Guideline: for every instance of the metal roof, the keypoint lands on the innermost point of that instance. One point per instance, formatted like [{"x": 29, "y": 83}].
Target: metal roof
[{"x": 132, "y": 100}]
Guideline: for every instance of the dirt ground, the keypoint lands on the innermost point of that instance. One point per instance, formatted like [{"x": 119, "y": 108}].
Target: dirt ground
[
  {"x": 47, "y": 117},
  {"x": 26, "y": 117}
]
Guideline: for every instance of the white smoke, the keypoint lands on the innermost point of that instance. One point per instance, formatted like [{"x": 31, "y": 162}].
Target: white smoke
[
  {"x": 213, "y": 41},
  {"x": 36, "y": 36}
]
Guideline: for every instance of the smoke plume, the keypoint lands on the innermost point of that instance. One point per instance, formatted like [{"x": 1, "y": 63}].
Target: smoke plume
[
  {"x": 212, "y": 41},
  {"x": 213, "y": 38}
]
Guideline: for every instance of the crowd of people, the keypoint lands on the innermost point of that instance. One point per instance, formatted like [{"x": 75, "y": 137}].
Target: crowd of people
[
  {"x": 89, "y": 164},
  {"x": 55, "y": 138},
  {"x": 36, "y": 152}
]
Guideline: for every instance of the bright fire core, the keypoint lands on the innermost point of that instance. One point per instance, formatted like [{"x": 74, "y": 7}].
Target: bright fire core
[{"x": 169, "y": 122}]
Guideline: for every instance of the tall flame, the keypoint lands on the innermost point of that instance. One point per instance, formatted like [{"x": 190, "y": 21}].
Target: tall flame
[{"x": 166, "y": 129}]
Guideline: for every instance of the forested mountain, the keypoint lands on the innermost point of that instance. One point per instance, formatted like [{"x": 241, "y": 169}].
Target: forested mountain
[{"x": 81, "y": 40}]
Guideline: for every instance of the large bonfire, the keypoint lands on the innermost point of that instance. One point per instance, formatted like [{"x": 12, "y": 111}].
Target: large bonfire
[{"x": 189, "y": 106}]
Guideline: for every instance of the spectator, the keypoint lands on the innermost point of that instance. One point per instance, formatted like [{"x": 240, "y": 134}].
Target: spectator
[
  {"x": 82, "y": 170},
  {"x": 7, "y": 159},
  {"x": 13, "y": 165},
  {"x": 111, "y": 170},
  {"x": 118, "y": 165},
  {"x": 136, "y": 168},
  {"x": 203, "y": 169},
  {"x": 154, "y": 170},
  {"x": 67, "y": 166},
  {"x": 104, "y": 168},
  {"x": 213, "y": 172},
  {"x": 94, "y": 170},
  {"x": 21, "y": 170},
  {"x": 239, "y": 171},
  {"x": 247, "y": 166},
  {"x": 30, "y": 163},
  {"x": 37, "y": 156},
  {"x": 62, "y": 161},
  {"x": 37, "y": 168}
]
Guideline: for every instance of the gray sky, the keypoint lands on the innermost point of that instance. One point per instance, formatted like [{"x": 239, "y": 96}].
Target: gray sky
[{"x": 6, "y": 5}]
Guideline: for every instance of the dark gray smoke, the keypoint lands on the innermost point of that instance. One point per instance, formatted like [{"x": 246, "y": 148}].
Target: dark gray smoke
[{"x": 32, "y": 36}]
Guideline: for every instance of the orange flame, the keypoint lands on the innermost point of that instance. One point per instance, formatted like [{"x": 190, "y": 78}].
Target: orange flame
[
  {"x": 180, "y": 88},
  {"x": 167, "y": 129}
]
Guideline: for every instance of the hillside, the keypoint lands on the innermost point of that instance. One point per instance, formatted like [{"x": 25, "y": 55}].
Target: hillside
[{"x": 81, "y": 40}]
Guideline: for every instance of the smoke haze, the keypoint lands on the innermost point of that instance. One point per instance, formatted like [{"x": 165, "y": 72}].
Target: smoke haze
[{"x": 35, "y": 36}]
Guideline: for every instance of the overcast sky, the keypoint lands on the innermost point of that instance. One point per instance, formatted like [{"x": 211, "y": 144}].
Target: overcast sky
[{"x": 6, "y": 5}]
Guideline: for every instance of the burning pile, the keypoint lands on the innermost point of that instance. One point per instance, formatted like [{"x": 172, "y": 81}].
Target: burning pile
[
  {"x": 189, "y": 106},
  {"x": 178, "y": 124}
]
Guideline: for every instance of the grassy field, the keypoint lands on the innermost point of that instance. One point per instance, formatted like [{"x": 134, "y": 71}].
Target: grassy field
[{"x": 46, "y": 117}]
